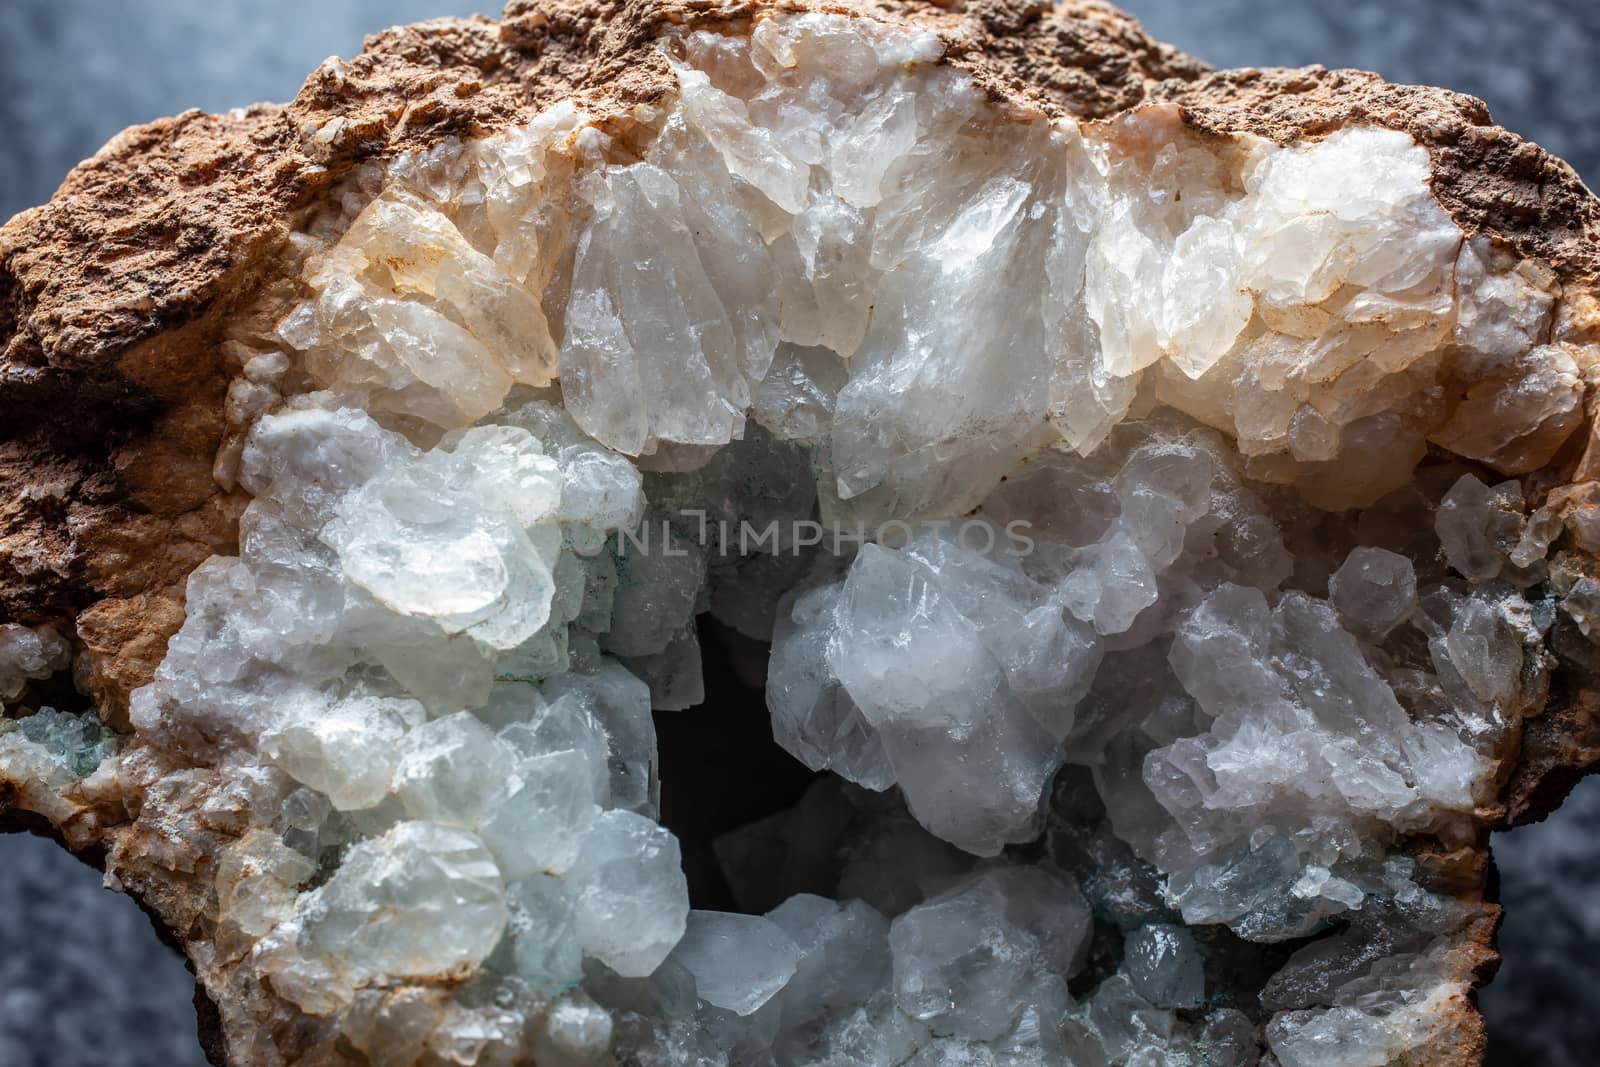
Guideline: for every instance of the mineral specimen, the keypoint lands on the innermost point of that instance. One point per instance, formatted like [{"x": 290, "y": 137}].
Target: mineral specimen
[{"x": 1160, "y": 506}]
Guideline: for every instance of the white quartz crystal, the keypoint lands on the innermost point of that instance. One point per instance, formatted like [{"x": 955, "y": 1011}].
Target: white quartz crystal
[
  {"x": 466, "y": 537},
  {"x": 1374, "y": 590},
  {"x": 575, "y": 1032},
  {"x": 739, "y": 962},
  {"x": 28, "y": 653},
  {"x": 1165, "y": 966},
  {"x": 348, "y": 749},
  {"x": 537, "y": 817},
  {"x": 543, "y": 927},
  {"x": 421, "y": 901},
  {"x": 448, "y": 768},
  {"x": 630, "y": 896},
  {"x": 965, "y": 961}
]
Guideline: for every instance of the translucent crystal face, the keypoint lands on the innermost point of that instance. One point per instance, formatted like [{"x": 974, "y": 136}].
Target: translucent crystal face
[{"x": 1130, "y": 516}]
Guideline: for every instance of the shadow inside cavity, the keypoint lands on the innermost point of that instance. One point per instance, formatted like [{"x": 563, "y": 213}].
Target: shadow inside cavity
[{"x": 720, "y": 767}]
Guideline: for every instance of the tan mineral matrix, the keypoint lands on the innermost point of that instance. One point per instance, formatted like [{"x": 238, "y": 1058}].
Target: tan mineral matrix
[{"x": 1159, "y": 506}]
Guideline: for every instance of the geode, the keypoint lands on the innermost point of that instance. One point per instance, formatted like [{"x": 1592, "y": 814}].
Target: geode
[{"x": 1158, "y": 505}]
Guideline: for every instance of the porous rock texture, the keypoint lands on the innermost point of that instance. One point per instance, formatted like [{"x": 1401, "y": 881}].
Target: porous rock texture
[{"x": 147, "y": 308}]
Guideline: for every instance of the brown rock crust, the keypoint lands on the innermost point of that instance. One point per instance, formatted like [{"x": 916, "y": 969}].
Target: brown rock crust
[{"x": 1491, "y": 181}]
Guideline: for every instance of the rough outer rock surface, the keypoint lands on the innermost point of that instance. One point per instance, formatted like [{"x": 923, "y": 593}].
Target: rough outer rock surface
[{"x": 120, "y": 297}]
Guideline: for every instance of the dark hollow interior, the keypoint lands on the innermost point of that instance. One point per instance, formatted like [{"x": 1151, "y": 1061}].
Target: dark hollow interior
[{"x": 720, "y": 768}]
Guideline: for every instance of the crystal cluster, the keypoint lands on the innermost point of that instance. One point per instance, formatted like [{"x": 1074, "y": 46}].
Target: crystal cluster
[
  {"x": 1266, "y": 740},
  {"x": 341, "y": 648},
  {"x": 1078, "y": 479},
  {"x": 29, "y": 654},
  {"x": 50, "y": 750}
]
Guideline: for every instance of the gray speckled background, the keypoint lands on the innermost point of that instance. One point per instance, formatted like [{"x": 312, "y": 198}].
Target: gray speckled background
[{"x": 83, "y": 980}]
